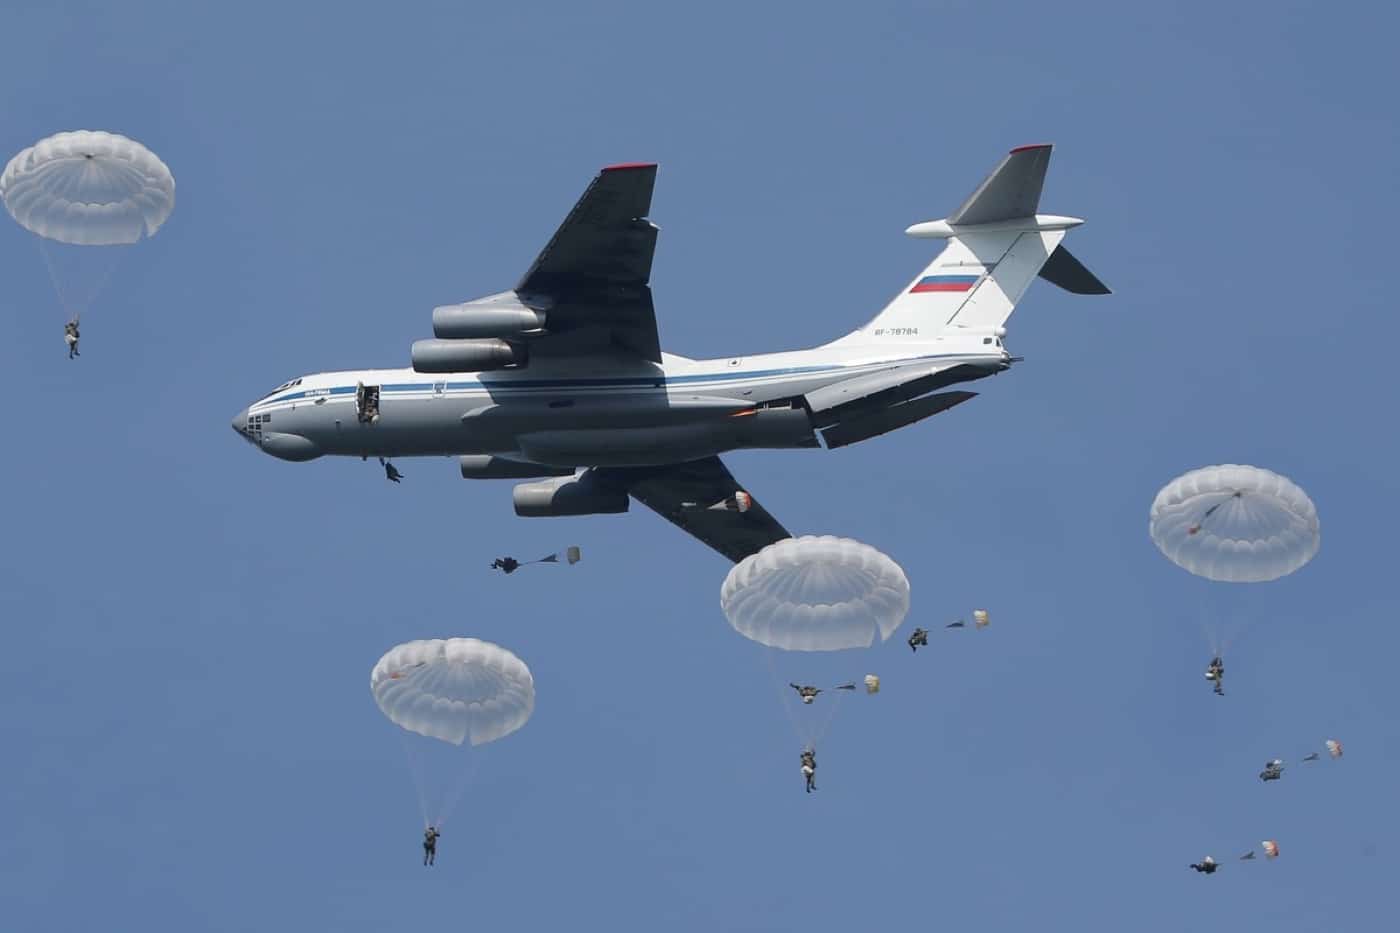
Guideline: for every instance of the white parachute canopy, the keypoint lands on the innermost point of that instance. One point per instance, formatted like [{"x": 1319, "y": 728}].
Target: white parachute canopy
[
  {"x": 816, "y": 593},
  {"x": 1235, "y": 524},
  {"x": 88, "y": 188},
  {"x": 454, "y": 689}
]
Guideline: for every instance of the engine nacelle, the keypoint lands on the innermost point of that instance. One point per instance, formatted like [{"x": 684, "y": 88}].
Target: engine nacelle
[
  {"x": 502, "y": 315},
  {"x": 485, "y": 466},
  {"x": 466, "y": 356},
  {"x": 569, "y": 495}
]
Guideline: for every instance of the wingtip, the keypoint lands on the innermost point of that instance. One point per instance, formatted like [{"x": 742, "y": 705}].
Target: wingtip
[
  {"x": 628, "y": 166},
  {"x": 1032, "y": 146}
]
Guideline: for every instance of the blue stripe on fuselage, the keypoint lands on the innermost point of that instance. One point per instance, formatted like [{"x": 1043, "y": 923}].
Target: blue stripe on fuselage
[{"x": 659, "y": 381}]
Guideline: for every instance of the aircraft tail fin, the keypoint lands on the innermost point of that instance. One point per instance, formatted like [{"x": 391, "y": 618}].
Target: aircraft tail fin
[{"x": 997, "y": 244}]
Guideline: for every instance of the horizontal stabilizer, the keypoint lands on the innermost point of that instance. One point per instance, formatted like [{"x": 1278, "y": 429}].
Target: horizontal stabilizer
[
  {"x": 1064, "y": 270},
  {"x": 1012, "y": 190},
  {"x": 898, "y": 416}
]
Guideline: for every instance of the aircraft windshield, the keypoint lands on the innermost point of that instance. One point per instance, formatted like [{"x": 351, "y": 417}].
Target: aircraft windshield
[{"x": 283, "y": 386}]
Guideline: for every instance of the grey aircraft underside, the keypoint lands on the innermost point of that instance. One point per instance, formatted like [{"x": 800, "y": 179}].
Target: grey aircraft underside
[{"x": 563, "y": 378}]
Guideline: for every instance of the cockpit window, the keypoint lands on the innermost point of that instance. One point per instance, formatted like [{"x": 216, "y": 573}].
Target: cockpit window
[{"x": 282, "y": 387}]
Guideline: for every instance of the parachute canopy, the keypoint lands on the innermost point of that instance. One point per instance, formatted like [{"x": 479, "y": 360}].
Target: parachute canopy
[
  {"x": 1334, "y": 748},
  {"x": 872, "y": 683},
  {"x": 88, "y": 188},
  {"x": 573, "y": 554},
  {"x": 816, "y": 593},
  {"x": 454, "y": 689},
  {"x": 1235, "y": 524},
  {"x": 980, "y": 617}
]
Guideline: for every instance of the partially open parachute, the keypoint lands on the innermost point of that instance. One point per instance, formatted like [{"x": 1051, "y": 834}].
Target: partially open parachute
[
  {"x": 1235, "y": 524},
  {"x": 816, "y": 594},
  {"x": 88, "y": 188},
  {"x": 454, "y": 689}
]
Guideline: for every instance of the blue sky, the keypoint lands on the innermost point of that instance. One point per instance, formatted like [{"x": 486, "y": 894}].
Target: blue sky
[{"x": 189, "y": 738}]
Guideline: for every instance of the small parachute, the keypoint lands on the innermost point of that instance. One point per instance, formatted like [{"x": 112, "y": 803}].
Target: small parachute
[
  {"x": 1235, "y": 524},
  {"x": 979, "y": 616},
  {"x": 872, "y": 683},
  {"x": 454, "y": 689},
  {"x": 1334, "y": 748},
  {"x": 816, "y": 594},
  {"x": 571, "y": 555},
  {"x": 1270, "y": 851},
  {"x": 739, "y": 502}
]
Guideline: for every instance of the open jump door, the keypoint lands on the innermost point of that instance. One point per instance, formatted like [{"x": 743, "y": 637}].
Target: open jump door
[{"x": 366, "y": 403}]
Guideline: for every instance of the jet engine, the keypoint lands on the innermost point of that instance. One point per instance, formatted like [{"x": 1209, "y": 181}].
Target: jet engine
[
  {"x": 502, "y": 315},
  {"x": 466, "y": 356},
  {"x": 583, "y": 494},
  {"x": 484, "y": 466}
]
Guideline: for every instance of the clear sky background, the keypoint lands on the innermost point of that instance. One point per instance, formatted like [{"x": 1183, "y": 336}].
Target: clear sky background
[{"x": 187, "y": 737}]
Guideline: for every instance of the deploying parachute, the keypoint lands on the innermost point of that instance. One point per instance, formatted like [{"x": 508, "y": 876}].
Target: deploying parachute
[
  {"x": 508, "y": 565},
  {"x": 455, "y": 691},
  {"x": 1270, "y": 851},
  {"x": 816, "y": 595},
  {"x": 86, "y": 189},
  {"x": 1334, "y": 748},
  {"x": 1235, "y": 524}
]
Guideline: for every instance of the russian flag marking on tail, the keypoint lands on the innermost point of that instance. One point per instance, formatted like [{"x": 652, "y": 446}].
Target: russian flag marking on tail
[{"x": 944, "y": 283}]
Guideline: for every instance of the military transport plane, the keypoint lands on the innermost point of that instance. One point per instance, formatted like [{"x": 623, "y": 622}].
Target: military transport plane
[{"x": 563, "y": 377}]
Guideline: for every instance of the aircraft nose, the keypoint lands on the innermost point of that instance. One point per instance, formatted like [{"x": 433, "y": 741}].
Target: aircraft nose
[{"x": 240, "y": 421}]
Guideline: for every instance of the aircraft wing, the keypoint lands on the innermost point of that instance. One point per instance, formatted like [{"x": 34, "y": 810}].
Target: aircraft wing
[
  {"x": 682, "y": 493},
  {"x": 592, "y": 279}
]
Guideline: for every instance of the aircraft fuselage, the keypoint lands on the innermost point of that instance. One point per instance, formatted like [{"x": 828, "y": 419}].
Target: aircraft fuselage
[{"x": 605, "y": 411}]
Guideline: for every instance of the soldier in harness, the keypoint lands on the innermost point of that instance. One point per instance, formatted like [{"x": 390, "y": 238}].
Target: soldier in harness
[
  {"x": 1216, "y": 673},
  {"x": 430, "y": 838}
]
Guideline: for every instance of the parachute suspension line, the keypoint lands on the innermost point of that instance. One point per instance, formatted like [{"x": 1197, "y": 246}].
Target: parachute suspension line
[
  {"x": 415, "y": 767},
  {"x": 784, "y": 699},
  {"x": 74, "y": 303},
  {"x": 458, "y": 789},
  {"x": 57, "y": 286},
  {"x": 1238, "y": 493},
  {"x": 825, "y": 724},
  {"x": 1210, "y": 632},
  {"x": 1239, "y": 629}
]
